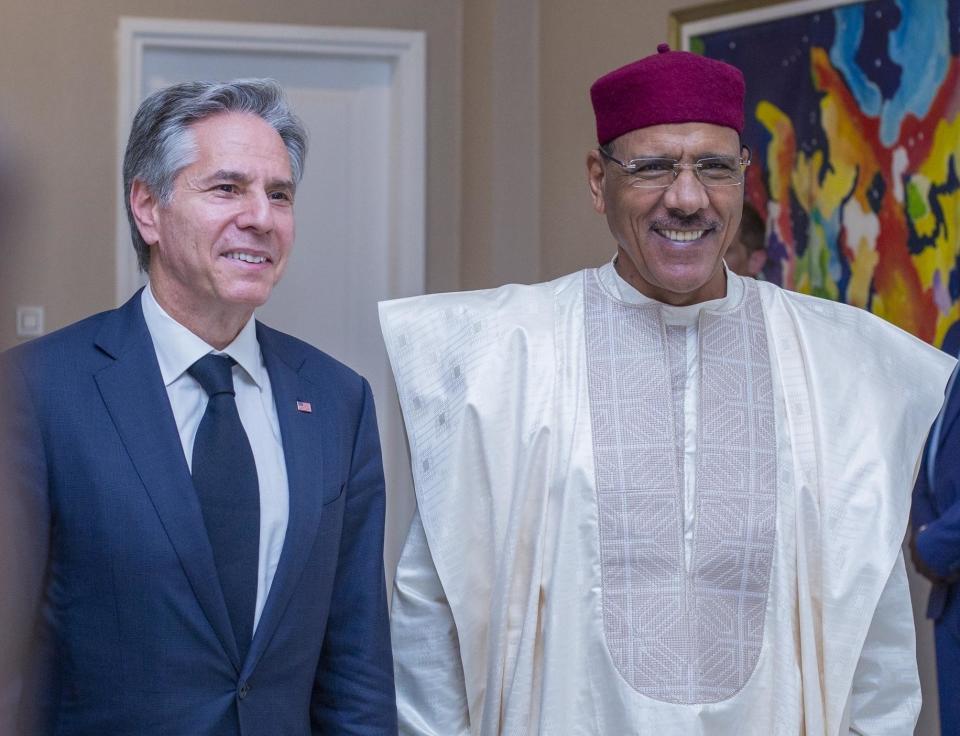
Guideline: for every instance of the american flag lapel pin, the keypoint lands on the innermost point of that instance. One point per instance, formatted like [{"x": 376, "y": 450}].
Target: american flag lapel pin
[{"x": 305, "y": 407}]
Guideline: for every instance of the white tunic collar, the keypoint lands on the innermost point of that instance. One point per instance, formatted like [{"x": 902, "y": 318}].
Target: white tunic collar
[{"x": 619, "y": 289}]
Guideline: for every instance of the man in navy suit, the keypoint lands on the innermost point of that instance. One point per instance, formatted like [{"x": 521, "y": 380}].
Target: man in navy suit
[
  {"x": 200, "y": 497},
  {"x": 935, "y": 545}
]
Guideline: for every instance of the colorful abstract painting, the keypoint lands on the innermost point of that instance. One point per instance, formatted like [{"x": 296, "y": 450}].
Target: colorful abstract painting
[{"x": 853, "y": 116}]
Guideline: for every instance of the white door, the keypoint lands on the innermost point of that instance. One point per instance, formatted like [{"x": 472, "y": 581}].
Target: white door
[{"x": 359, "y": 210}]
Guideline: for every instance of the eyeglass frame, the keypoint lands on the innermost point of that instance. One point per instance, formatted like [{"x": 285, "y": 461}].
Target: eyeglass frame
[{"x": 678, "y": 166}]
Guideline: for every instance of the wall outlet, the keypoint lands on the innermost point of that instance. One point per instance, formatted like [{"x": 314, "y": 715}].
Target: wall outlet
[{"x": 29, "y": 321}]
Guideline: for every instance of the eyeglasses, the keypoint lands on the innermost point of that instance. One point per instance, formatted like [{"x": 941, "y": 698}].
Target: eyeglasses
[{"x": 660, "y": 173}]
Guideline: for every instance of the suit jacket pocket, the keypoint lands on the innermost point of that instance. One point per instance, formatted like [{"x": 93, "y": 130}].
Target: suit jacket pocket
[{"x": 332, "y": 493}]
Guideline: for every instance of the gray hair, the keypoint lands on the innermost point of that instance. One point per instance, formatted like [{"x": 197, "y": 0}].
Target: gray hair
[{"x": 161, "y": 143}]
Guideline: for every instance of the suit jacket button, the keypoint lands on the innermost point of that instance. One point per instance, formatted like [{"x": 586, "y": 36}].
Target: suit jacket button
[{"x": 243, "y": 689}]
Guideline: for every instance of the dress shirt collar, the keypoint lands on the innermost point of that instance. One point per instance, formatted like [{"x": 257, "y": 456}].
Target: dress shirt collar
[{"x": 177, "y": 348}]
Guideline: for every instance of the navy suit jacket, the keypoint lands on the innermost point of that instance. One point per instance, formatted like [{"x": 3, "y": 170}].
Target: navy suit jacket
[
  {"x": 938, "y": 507},
  {"x": 133, "y": 629}
]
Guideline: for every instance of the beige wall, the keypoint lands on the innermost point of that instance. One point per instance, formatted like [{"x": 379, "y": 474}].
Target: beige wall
[
  {"x": 58, "y": 108},
  {"x": 501, "y": 143}
]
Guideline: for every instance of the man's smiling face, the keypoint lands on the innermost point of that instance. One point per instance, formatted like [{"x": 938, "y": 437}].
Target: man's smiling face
[
  {"x": 221, "y": 243},
  {"x": 670, "y": 241}
]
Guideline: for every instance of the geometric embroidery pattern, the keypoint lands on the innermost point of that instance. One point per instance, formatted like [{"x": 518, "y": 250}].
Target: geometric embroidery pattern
[
  {"x": 679, "y": 635},
  {"x": 434, "y": 353}
]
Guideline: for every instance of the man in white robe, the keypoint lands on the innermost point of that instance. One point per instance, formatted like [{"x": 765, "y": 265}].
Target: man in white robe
[{"x": 656, "y": 497}]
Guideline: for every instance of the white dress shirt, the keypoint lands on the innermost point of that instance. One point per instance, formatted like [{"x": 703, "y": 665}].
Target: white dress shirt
[{"x": 177, "y": 349}]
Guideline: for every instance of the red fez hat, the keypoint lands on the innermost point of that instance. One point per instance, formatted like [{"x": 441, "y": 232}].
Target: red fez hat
[{"x": 667, "y": 87}]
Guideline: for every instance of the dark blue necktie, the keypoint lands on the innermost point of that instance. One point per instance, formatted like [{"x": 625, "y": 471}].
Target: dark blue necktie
[{"x": 225, "y": 477}]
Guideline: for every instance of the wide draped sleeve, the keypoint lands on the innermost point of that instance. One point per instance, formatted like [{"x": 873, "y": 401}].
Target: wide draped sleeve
[
  {"x": 860, "y": 397},
  {"x": 475, "y": 377}
]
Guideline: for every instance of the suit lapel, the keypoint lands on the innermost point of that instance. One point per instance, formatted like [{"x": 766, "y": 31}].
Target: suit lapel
[
  {"x": 302, "y": 435},
  {"x": 133, "y": 391}
]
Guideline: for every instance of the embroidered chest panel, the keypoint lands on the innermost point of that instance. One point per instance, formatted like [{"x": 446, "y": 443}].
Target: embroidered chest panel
[{"x": 676, "y": 632}]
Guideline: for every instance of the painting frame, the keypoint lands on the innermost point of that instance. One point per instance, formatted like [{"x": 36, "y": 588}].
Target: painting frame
[{"x": 714, "y": 16}]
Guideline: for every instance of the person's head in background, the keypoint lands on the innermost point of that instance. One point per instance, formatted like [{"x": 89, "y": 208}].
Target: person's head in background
[{"x": 747, "y": 254}]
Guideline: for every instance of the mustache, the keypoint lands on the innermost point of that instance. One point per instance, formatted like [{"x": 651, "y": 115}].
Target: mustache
[{"x": 693, "y": 222}]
